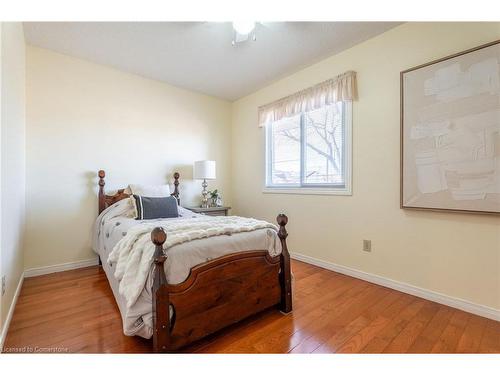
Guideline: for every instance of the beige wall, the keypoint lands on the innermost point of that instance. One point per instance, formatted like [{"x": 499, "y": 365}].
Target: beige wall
[
  {"x": 454, "y": 254},
  {"x": 12, "y": 159},
  {"x": 82, "y": 117}
]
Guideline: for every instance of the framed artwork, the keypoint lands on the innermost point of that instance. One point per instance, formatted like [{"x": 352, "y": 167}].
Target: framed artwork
[{"x": 450, "y": 133}]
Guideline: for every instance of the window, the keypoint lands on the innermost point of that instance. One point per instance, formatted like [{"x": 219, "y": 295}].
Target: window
[{"x": 310, "y": 152}]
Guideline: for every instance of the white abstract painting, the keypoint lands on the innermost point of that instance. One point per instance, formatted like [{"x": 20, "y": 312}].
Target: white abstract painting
[{"x": 451, "y": 133}]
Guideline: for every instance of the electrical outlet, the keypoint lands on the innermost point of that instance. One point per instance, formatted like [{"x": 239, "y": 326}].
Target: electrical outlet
[
  {"x": 367, "y": 245},
  {"x": 3, "y": 285}
]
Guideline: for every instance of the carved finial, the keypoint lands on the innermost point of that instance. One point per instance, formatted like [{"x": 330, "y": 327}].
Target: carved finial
[
  {"x": 158, "y": 236},
  {"x": 102, "y": 197},
  {"x": 101, "y": 175},
  {"x": 176, "y": 187},
  {"x": 282, "y": 220}
]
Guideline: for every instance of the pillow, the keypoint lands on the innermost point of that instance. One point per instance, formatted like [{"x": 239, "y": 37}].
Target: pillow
[
  {"x": 150, "y": 190},
  {"x": 147, "y": 208}
]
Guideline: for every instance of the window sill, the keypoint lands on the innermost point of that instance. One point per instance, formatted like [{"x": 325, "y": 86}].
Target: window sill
[{"x": 306, "y": 191}]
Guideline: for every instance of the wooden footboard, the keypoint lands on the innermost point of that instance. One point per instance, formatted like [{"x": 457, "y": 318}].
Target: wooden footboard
[{"x": 217, "y": 293}]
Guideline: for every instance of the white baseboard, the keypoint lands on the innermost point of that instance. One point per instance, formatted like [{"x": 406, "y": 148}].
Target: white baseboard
[
  {"x": 473, "y": 308},
  {"x": 6, "y": 325},
  {"x": 60, "y": 267}
]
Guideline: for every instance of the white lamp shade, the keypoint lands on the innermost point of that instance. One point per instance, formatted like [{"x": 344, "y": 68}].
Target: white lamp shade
[{"x": 204, "y": 170}]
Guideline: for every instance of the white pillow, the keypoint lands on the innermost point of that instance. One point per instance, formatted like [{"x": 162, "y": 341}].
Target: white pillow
[{"x": 156, "y": 191}]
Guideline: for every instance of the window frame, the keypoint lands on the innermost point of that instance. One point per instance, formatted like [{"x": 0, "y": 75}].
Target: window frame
[{"x": 314, "y": 189}]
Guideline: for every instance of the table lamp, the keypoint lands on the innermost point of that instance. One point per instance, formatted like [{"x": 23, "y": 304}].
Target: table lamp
[{"x": 204, "y": 170}]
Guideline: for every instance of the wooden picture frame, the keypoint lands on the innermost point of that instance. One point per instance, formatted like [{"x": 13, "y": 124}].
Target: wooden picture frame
[{"x": 443, "y": 101}]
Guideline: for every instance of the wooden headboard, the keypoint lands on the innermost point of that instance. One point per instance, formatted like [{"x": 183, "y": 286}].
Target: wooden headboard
[{"x": 107, "y": 200}]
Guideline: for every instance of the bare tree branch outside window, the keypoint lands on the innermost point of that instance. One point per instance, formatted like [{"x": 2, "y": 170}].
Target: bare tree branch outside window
[{"x": 323, "y": 138}]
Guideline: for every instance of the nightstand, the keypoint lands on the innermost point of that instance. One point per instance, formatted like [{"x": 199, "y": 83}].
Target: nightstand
[{"x": 211, "y": 211}]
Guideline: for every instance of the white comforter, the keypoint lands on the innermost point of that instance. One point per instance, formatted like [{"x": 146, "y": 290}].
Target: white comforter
[
  {"x": 192, "y": 239},
  {"x": 133, "y": 253}
]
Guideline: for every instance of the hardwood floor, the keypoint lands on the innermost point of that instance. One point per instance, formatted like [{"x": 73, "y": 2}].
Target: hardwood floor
[{"x": 75, "y": 311}]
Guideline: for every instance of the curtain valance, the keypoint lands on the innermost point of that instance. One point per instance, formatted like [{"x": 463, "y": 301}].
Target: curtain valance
[{"x": 340, "y": 88}]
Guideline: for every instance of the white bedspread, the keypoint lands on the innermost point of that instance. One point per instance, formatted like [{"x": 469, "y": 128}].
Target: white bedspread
[
  {"x": 133, "y": 254},
  {"x": 192, "y": 239}
]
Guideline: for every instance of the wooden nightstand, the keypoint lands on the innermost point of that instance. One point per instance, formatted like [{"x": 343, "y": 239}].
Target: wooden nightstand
[{"x": 211, "y": 211}]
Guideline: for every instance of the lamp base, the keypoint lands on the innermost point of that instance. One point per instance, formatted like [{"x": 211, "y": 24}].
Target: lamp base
[{"x": 204, "y": 193}]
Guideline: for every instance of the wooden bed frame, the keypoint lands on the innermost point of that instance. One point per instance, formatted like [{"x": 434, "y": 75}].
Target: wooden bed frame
[{"x": 217, "y": 293}]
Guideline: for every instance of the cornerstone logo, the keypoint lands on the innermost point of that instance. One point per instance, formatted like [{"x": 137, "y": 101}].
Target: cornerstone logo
[{"x": 35, "y": 349}]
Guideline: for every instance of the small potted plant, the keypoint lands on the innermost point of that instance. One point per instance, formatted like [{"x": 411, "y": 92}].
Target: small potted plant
[{"x": 215, "y": 198}]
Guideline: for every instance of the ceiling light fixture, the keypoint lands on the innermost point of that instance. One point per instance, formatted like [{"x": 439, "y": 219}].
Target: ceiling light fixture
[
  {"x": 243, "y": 30},
  {"x": 243, "y": 27}
]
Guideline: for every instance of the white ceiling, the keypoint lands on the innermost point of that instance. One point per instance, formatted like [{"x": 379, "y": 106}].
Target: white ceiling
[{"x": 198, "y": 55}]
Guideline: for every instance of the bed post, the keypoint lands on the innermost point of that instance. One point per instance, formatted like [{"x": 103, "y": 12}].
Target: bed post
[
  {"x": 161, "y": 322},
  {"x": 285, "y": 272},
  {"x": 176, "y": 188},
  {"x": 102, "y": 197}
]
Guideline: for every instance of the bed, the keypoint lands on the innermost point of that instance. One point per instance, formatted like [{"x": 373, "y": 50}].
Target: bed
[{"x": 194, "y": 288}]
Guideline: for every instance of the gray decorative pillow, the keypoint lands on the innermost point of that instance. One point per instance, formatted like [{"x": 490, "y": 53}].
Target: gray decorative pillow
[{"x": 155, "y": 208}]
